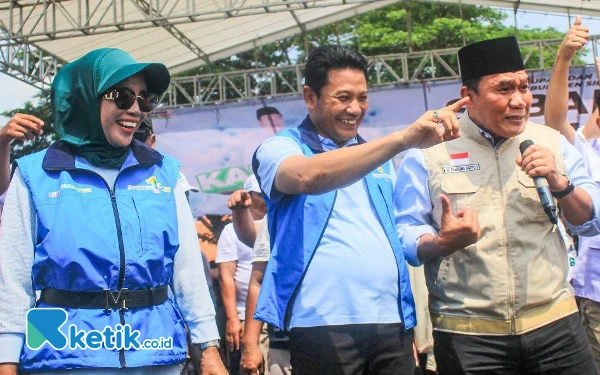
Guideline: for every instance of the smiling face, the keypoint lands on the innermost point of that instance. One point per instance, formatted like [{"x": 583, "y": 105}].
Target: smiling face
[
  {"x": 501, "y": 104},
  {"x": 119, "y": 125},
  {"x": 339, "y": 110}
]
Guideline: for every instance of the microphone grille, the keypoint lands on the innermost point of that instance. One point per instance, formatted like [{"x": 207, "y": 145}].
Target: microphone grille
[{"x": 525, "y": 144}]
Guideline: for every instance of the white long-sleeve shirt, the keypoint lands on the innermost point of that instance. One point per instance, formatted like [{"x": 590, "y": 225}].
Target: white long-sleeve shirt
[{"x": 19, "y": 227}]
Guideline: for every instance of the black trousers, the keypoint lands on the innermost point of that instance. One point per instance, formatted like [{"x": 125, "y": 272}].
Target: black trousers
[
  {"x": 356, "y": 349},
  {"x": 557, "y": 348}
]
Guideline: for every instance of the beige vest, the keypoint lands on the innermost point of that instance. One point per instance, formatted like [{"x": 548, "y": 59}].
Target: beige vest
[{"x": 513, "y": 279}]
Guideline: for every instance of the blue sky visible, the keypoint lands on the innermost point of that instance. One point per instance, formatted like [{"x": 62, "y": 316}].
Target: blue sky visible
[{"x": 16, "y": 92}]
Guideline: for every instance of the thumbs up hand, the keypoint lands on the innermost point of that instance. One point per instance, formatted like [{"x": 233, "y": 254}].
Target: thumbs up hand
[
  {"x": 574, "y": 40},
  {"x": 457, "y": 231}
]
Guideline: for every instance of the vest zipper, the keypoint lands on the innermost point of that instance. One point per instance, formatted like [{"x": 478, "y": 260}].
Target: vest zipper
[
  {"x": 113, "y": 200},
  {"x": 115, "y": 208},
  {"x": 288, "y": 309},
  {"x": 121, "y": 281},
  {"x": 510, "y": 293}
]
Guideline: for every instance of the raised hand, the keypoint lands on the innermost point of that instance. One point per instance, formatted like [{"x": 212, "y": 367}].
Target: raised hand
[
  {"x": 21, "y": 126},
  {"x": 239, "y": 199},
  {"x": 457, "y": 231},
  {"x": 576, "y": 38},
  {"x": 434, "y": 127}
]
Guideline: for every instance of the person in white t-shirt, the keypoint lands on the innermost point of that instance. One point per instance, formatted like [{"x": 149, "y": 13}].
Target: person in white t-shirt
[{"x": 235, "y": 263}]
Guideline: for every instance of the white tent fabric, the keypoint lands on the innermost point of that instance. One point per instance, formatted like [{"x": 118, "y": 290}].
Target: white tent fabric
[{"x": 185, "y": 34}]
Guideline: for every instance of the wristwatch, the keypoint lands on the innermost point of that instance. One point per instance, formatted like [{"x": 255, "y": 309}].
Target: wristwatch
[
  {"x": 208, "y": 344},
  {"x": 561, "y": 194}
]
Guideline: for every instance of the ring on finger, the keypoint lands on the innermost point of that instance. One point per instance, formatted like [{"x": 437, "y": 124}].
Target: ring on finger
[{"x": 435, "y": 116}]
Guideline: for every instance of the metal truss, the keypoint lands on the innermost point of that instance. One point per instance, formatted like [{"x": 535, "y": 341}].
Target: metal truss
[
  {"x": 43, "y": 20},
  {"x": 27, "y": 62},
  {"x": 384, "y": 70}
]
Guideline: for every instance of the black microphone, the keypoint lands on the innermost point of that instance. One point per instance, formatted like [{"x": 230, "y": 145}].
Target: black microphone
[{"x": 543, "y": 190}]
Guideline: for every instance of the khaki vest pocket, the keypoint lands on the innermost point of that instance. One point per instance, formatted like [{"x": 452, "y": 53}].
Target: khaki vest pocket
[
  {"x": 530, "y": 201},
  {"x": 460, "y": 188}
]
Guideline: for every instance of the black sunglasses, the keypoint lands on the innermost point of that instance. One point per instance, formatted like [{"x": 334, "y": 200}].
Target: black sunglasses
[{"x": 124, "y": 98}]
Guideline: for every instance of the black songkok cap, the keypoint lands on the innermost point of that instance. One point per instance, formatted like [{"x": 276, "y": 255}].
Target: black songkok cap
[
  {"x": 266, "y": 111},
  {"x": 490, "y": 56}
]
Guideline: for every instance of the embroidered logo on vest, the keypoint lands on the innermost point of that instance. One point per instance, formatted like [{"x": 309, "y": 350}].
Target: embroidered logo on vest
[
  {"x": 381, "y": 174},
  {"x": 54, "y": 194},
  {"x": 153, "y": 185}
]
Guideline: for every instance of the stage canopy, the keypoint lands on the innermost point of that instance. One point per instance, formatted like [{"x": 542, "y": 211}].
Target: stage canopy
[{"x": 40, "y": 35}]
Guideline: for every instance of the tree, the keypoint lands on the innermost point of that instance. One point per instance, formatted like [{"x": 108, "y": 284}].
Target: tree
[
  {"x": 381, "y": 31},
  {"x": 43, "y": 111},
  {"x": 398, "y": 28}
]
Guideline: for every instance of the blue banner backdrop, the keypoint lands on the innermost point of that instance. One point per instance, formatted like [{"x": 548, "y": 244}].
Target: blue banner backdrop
[{"x": 215, "y": 143}]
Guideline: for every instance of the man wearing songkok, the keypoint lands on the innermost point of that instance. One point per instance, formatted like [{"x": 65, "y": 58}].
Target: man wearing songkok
[{"x": 494, "y": 260}]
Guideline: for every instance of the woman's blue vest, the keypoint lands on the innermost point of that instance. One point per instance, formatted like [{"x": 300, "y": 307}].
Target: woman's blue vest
[
  {"x": 296, "y": 225},
  {"x": 90, "y": 238}
]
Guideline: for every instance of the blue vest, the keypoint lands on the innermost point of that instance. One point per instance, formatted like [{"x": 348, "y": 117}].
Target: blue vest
[
  {"x": 89, "y": 239},
  {"x": 296, "y": 225}
]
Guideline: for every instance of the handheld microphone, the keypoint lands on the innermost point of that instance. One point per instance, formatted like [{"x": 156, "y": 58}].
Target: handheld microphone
[{"x": 543, "y": 190}]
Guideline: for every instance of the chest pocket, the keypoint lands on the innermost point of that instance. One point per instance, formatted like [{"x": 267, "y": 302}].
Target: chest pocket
[
  {"x": 529, "y": 200},
  {"x": 461, "y": 189}
]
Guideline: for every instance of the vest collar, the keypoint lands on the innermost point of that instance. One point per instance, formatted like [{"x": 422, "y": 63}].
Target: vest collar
[
  {"x": 60, "y": 156},
  {"x": 471, "y": 130},
  {"x": 310, "y": 137}
]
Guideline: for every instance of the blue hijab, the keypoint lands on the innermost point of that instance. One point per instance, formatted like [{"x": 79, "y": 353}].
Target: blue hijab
[{"x": 77, "y": 93}]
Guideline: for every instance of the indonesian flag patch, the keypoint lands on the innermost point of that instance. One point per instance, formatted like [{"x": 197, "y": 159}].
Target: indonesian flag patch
[{"x": 461, "y": 158}]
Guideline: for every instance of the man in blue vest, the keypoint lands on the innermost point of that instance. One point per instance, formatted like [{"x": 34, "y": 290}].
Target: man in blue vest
[{"x": 337, "y": 278}]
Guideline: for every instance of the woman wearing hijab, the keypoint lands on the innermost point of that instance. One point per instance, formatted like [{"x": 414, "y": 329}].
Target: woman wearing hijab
[{"x": 98, "y": 236}]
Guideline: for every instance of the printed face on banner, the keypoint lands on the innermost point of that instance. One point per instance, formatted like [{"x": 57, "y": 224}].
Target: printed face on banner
[
  {"x": 215, "y": 144},
  {"x": 341, "y": 108},
  {"x": 502, "y": 104},
  {"x": 272, "y": 122}
]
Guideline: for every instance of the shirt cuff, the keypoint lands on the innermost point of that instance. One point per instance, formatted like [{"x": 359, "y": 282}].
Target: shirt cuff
[
  {"x": 411, "y": 239},
  {"x": 12, "y": 344},
  {"x": 226, "y": 259},
  {"x": 203, "y": 330},
  {"x": 260, "y": 259},
  {"x": 592, "y": 226}
]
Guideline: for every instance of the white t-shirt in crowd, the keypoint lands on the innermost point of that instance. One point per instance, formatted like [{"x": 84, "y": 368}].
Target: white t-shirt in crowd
[
  {"x": 262, "y": 245},
  {"x": 230, "y": 249}
]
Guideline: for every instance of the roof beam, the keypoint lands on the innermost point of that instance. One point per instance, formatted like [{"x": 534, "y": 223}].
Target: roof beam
[
  {"x": 27, "y": 62},
  {"x": 145, "y": 7},
  {"x": 36, "y": 20},
  {"x": 384, "y": 70},
  {"x": 25, "y": 23},
  {"x": 108, "y": 16}
]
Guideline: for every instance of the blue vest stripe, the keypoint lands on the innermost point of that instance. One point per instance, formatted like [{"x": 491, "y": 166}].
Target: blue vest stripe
[{"x": 296, "y": 224}]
